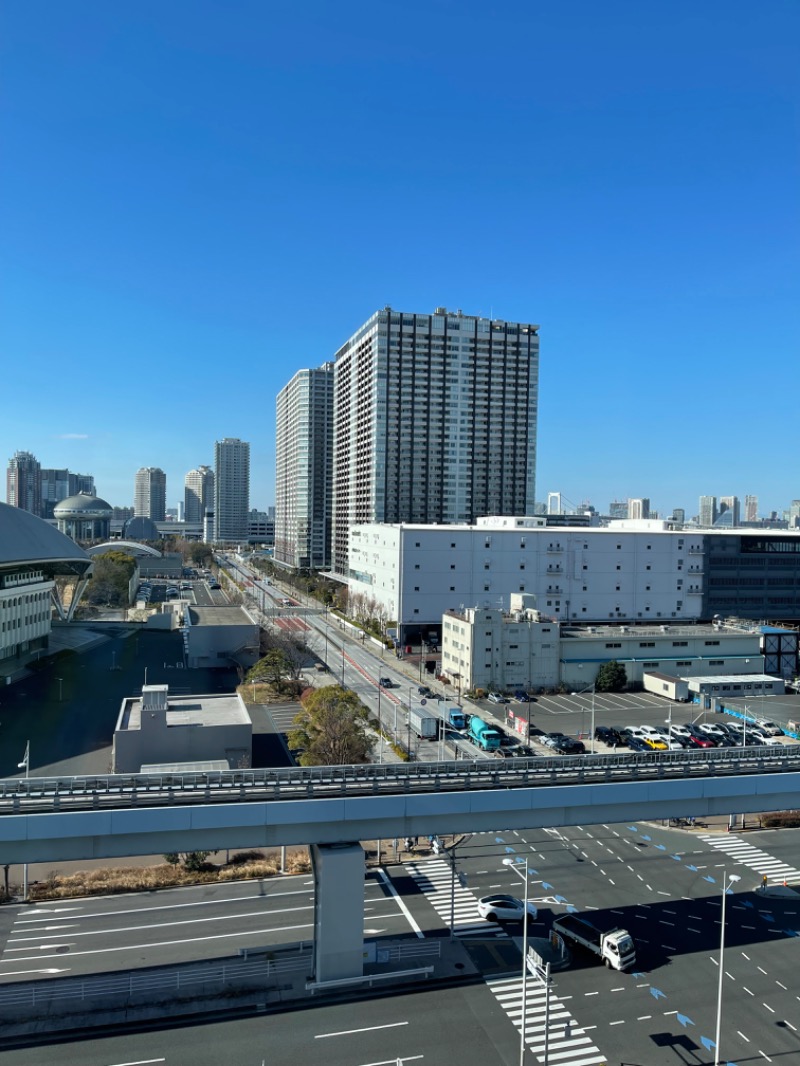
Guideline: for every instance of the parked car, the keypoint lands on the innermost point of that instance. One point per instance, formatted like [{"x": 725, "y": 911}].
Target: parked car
[
  {"x": 772, "y": 729},
  {"x": 711, "y": 729},
  {"x": 631, "y": 731},
  {"x": 425, "y": 692},
  {"x": 386, "y": 682},
  {"x": 522, "y": 697},
  {"x": 680, "y": 733},
  {"x": 568, "y": 746},
  {"x": 609, "y": 734},
  {"x": 502, "y": 908},
  {"x": 654, "y": 743},
  {"x": 497, "y": 697},
  {"x": 637, "y": 744},
  {"x": 551, "y": 739},
  {"x": 700, "y": 740}
]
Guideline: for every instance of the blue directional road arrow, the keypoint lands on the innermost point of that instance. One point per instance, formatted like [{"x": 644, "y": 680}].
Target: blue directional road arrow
[
  {"x": 656, "y": 993},
  {"x": 633, "y": 829},
  {"x": 682, "y": 1018},
  {"x": 499, "y": 840},
  {"x": 660, "y": 847},
  {"x": 645, "y": 837},
  {"x": 709, "y": 878},
  {"x": 510, "y": 850},
  {"x": 692, "y": 868},
  {"x": 546, "y": 886}
]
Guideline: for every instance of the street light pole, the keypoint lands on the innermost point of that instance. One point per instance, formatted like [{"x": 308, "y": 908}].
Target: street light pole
[
  {"x": 726, "y": 882},
  {"x": 511, "y": 863},
  {"x": 26, "y": 762}
]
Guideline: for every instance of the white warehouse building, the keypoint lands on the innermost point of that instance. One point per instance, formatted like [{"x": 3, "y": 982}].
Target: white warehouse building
[{"x": 630, "y": 572}]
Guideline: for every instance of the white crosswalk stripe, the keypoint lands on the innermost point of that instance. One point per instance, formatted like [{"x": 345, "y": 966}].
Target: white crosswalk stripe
[
  {"x": 434, "y": 879},
  {"x": 745, "y": 854},
  {"x": 567, "y": 1043}
]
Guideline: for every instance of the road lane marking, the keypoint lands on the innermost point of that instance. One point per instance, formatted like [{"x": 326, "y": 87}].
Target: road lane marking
[
  {"x": 168, "y": 907},
  {"x": 368, "y": 1029},
  {"x": 138, "y": 1062},
  {"x": 401, "y": 903}
]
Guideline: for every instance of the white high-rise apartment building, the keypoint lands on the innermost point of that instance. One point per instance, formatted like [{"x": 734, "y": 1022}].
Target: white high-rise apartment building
[
  {"x": 24, "y": 482},
  {"x": 751, "y": 508},
  {"x": 639, "y": 507},
  {"x": 198, "y": 493},
  {"x": 150, "y": 493},
  {"x": 435, "y": 421},
  {"x": 231, "y": 490},
  {"x": 708, "y": 511},
  {"x": 304, "y": 428}
]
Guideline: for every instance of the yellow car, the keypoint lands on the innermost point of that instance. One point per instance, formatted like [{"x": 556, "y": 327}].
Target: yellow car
[{"x": 655, "y": 745}]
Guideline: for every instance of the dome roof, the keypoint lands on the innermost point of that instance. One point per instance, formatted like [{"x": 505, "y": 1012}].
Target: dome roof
[
  {"x": 141, "y": 528},
  {"x": 25, "y": 538},
  {"x": 83, "y": 503}
]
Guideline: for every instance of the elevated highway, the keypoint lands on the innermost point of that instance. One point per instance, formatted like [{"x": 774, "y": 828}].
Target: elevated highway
[{"x": 48, "y": 819}]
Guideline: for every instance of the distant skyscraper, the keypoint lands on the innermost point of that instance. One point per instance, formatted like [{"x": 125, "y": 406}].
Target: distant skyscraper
[
  {"x": 731, "y": 503},
  {"x": 303, "y": 466},
  {"x": 751, "y": 508},
  {"x": 24, "y": 483},
  {"x": 618, "y": 509},
  {"x": 435, "y": 420},
  {"x": 231, "y": 490},
  {"x": 708, "y": 511},
  {"x": 150, "y": 493},
  {"x": 639, "y": 507},
  {"x": 678, "y": 515},
  {"x": 198, "y": 493}
]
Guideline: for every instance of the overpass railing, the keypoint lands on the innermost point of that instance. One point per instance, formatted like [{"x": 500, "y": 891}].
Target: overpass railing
[{"x": 117, "y": 791}]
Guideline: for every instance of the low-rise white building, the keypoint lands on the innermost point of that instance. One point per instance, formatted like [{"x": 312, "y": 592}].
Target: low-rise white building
[
  {"x": 216, "y": 635},
  {"x": 158, "y": 728},
  {"x": 525, "y": 650},
  {"x": 630, "y": 572}
]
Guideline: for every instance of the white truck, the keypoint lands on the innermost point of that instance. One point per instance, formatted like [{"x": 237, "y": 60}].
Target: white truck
[
  {"x": 614, "y": 946},
  {"x": 425, "y": 725}
]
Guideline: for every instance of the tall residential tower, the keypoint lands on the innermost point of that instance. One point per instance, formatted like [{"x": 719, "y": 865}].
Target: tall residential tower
[
  {"x": 198, "y": 493},
  {"x": 150, "y": 493},
  {"x": 434, "y": 421},
  {"x": 304, "y": 423},
  {"x": 24, "y": 483},
  {"x": 231, "y": 490}
]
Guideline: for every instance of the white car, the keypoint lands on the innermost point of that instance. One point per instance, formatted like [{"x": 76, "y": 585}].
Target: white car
[
  {"x": 711, "y": 730},
  {"x": 772, "y": 729},
  {"x": 501, "y": 908},
  {"x": 680, "y": 732}
]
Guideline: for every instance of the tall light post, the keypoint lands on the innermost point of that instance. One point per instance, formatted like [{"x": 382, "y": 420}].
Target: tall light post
[
  {"x": 581, "y": 693},
  {"x": 26, "y": 762},
  {"x": 727, "y": 881},
  {"x": 515, "y": 866},
  {"x": 60, "y": 681}
]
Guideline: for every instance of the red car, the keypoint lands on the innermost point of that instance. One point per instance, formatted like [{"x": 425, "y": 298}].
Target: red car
[{"x": 696, "y": 741}]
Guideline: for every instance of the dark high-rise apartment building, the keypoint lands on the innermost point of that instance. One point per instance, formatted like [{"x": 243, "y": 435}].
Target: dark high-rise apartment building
[
  {"x": 24, "y": 483},
  {"x": 434, "y": 421},
  {"x": 150, "y": 493},
  {"x": 231, "y": 490}
]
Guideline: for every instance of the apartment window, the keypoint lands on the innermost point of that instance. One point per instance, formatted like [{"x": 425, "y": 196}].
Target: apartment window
[
  {"x": 716, "y": 662},
  {"x": 417, "y": 545},
  {"x": 416, "y": 588},
  {"x": 485, "y": 566},
  {"x": 647, "y": 588},
  {"x": 617, "y": 588},
  {"x": 452, "y": 545},
  {"x": 416, "y": 566},
  {"x": 619, "y": 567},
  {"x": 452, "y": 566},
  {"x": 585, "y": 567},
  {"x": 452, "y": 588},
  {"x": 648, "y": 547},
  {"x": 649, "y": 666},
  {"x": 712, "y": 643},
  {"x": 648, "y": 567},
  {"x": 585, "y": 589},
  {"x": 647, "y": 644},
  {"x": 619, "y": 547},
  {"x": 485, "y": 588},
  {"x": 680, "y": 644}
]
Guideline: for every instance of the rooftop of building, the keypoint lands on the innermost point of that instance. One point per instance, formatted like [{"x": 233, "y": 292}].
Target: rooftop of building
[
  {"x": 214, "y": 709},
  {"x": 219, "y": 616},
  {"x": 699, "y": 629},
  {"x": 83, "y": 503},
  {"x": 28, "y": 540},
  {"x": 730, "y": 679}
]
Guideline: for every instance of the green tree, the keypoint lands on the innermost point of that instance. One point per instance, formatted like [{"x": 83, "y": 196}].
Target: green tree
[
  {"x": 272, "y": 668},
  {"x": 331, "y": 729},
  {"x": 611, "y": 677},
  {"x": 111, "y": 575}
]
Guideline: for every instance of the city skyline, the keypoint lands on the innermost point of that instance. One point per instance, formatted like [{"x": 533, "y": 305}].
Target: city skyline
[{"x": 607, "y": 198}]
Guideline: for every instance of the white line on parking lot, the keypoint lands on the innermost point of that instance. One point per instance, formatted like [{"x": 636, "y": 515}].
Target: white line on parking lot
[{"x": 367, "y": 1029}]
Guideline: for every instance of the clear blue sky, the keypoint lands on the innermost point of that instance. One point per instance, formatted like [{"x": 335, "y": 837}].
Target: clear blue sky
[{"x": 199, "y": 198}]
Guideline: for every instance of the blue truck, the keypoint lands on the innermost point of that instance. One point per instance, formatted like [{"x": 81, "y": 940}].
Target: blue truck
[
  {"x": 456, "y": 718},
  {"x": 485, "y": 736}
]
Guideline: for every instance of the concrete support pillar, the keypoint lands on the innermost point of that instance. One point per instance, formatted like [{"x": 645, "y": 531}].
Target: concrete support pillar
[{"x": 338, "y": 911}]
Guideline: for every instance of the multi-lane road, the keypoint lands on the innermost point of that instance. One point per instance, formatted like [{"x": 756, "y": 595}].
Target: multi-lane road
[{"x": 664, "y": 886}]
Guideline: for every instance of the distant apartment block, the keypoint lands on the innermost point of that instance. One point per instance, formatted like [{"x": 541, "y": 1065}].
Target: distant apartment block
[
  {"x": 231, "y": 490},
  {"x": 150, "y": 493},
  {"x": 303, "y": 468},
  {"x": 729, "y": 512},
  {"x": 24, "y": 483},
  {"x": 751, "y": 508},
  {"x": 198, "y": 493},
  {"x": 618, "y": 509},
  {"x": 707, "y": 514},
  {"x": 639, "y": 507},
  {"x": 435, "y": 419}
]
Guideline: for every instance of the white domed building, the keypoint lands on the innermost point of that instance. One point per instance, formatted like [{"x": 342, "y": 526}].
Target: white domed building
[{"x": 84, "y": 517}]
